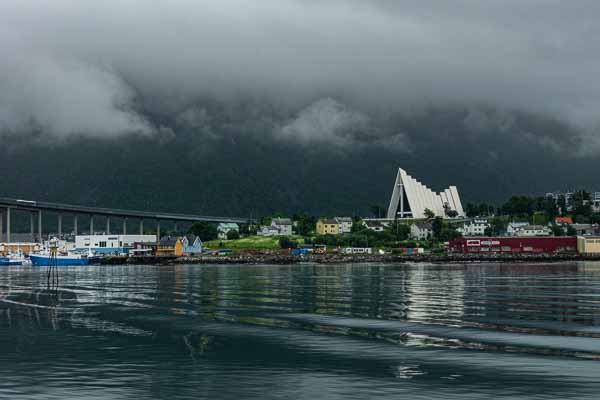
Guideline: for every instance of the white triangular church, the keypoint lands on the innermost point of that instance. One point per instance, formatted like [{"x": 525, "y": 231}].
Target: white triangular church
[{"x": 411, "y": 198}]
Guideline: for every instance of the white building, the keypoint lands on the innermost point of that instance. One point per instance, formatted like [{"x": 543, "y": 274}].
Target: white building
[
  {"x": 357, "y": 250},
  {"x": 225, "y": 227},
  {"x": 534, "y": 230},
  {"x": 278, "y": 227},
  {"x": 514, "y": 227},
  {"x": 375, "y": 225},
  {"x": 110, "y": 244},
  {"x": 421, "y": 231},
  {"x": 474, "y": 227},
  {"x": 283, "y": 225},
  {"x": 345, "y": 224},
  {"x": 410, "y": 199}
]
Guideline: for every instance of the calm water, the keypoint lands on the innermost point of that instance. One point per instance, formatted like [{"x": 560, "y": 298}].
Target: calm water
[{"x": 302, "y": 332}]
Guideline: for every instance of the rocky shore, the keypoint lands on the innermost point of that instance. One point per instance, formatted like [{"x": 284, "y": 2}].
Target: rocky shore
[{"x": 342, "y": 259}]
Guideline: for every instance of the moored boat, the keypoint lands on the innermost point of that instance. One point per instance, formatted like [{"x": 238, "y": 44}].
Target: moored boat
[
  {"x": 13, "y": 259},
  {"x": 59, "y": 260}
]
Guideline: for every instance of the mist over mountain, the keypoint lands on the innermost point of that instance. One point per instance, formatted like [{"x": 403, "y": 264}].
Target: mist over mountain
[{"x": 237, "y": 108}]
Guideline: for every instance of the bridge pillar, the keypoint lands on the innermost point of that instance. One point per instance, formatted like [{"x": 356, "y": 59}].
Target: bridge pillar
[
  {"x": 158, "y": 231},
  {"x": 1, "y": 225},
  {"x": 141, "y": 226},
  {"x": 59, "y": 226},
  {"x": 91, "y": 224},
  {"x": 108, "y": 225},
  {"x": 8, "y": 225},
  {"x": 175, "y": 227},
  {"x": 124, "y": 226},
  {"x": 75, "y": 224},
  {"x": 31, "y": 227},
  {"x": 40, "y": 238}
]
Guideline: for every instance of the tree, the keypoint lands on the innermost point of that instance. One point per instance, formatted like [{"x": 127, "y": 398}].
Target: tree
[
  {"x": 436, "y": 226},
  {"x": 429, "y": 214},
  {"x": 571, "y": 231},
  {"x": 233, "y": 235},
  {"x": 287, "y": 243},
  {"x": 205, "y": 230},
  {"x": 452, "y": 213},
  {"x": 305, "y": 224},
  {"x": 557, "y": 230},
  {"x": 471, "y": 210},
  {"x": 399, "y": 231}
]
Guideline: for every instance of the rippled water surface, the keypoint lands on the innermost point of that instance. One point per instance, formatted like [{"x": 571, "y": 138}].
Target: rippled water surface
[{"x": 302, "y": 332}]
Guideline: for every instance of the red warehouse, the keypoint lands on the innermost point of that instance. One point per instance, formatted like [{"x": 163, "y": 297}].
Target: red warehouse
[{"x": 514, "y": 245}]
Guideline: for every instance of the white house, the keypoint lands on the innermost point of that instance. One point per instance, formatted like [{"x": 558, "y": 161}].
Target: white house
[
  {"x": 110, "y": 244},
  {"x": 225, "y": 227},
  {"x": 345, "y": 224},
  {"x": 375, "y": 225},
  {"x": 268, "y": 230},
  {"x": 534, "y": 230},
  {"x": 474, "y": 227},
  {"x": 514, "y": 227},
  {"x": 283, "y": 225},
  {"x": 421, "y": 231}
]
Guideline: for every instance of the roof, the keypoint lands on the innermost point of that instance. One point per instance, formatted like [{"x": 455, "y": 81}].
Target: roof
[
  {"x": 282, "y": 221},
  {"x": 228, "y": 225},
  {"x": 192, "y": 238},
  {"x": 563, "y": 220},
  {"x": 343, "y": 219},
  {"x": 373, "y": 224},
  {"x": 424, "y": 225},
  {"x": 536, "y": 227},
  {"x": 329, "y": 221},
  {"x": 167, "y": 241}
]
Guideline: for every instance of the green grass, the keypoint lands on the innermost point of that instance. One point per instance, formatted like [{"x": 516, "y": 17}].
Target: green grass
[{"x": 250, "y": 242}]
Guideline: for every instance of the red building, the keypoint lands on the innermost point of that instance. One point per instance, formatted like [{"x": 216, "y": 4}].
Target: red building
[{"x": 560, "y": 244}]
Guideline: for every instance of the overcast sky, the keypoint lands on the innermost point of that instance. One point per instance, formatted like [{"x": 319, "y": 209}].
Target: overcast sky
[{"x": 73, "y": 66}]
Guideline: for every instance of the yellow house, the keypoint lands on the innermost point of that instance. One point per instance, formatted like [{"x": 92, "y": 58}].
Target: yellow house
[
  {"x": 169, "y": 246},
  {"x": 328, "y": 227}
]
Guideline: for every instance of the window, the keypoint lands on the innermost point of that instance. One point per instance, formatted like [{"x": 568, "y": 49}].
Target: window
[{"x": 102, "y": 244}]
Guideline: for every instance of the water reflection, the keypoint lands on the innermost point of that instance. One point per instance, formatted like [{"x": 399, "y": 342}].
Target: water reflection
[{"x": 346, "y": 331}]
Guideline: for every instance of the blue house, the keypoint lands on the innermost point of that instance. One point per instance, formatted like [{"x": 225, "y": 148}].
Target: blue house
[{"x": 191, "y": 244}]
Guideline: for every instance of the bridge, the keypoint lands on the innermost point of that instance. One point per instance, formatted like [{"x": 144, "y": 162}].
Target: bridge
[{"x": 37, "y": 208}]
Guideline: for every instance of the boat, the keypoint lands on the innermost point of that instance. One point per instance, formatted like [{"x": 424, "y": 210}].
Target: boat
[
  {"x": 13, "y": 259},
  {"x": 44, "y": 259}
]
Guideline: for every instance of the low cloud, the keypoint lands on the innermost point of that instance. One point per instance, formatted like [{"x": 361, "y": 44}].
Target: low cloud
[{"x": 109, "y": 68}]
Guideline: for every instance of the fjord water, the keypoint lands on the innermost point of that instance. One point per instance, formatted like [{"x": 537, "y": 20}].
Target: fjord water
[{"x": 302, "y": 332}]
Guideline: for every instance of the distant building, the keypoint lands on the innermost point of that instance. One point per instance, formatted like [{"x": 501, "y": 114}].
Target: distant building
[
  {"x": 278, "y": 227},
  {"x": 585, "y": 229},
  {"x": 110, "y": 244},
  {"x": 421, "y": 230},
  {"x": 25, "y": 247},
  {"x": 563, "y": 221},
  {"x": 588, "y": 244},
  {"x": 474, "y": 227},
  {"x": 410, "y": 198},
  {"x": 345, "y": 224},
  {"x": 283, "y": 225},
  {"x": 191, "y": 245},
  {"x": 169, "y": 246},
  {"x": 375, "y": 225},
  {"x": 534, "y": 230},
  {"x": 225, "y": 227},
  {"x": 357, "y": 250},
  {"x": 513, "y": 228},
  {"x": 328, "y": 227},
  {"x": 513, "y": 245}
]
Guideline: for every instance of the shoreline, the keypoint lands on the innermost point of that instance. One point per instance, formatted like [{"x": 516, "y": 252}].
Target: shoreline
[{"x": 344, "y": 259}]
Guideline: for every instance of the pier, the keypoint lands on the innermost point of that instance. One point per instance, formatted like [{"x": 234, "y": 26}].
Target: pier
[{"x": 37, "y": 209}]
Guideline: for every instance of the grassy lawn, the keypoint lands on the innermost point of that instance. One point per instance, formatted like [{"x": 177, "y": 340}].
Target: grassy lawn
[{"x": 250, "y": 242}]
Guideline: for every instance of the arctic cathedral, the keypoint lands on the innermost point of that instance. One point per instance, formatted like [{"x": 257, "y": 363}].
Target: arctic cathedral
[{"x": 411, "y": 198}]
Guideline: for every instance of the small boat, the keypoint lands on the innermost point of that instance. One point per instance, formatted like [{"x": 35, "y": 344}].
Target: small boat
[
  {"x": 44, "y": 259},
  {"x": 13, "y": 259}
]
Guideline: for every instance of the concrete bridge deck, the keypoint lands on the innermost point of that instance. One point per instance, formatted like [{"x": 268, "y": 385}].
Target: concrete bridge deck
[{"x": 37, "y": 207}]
